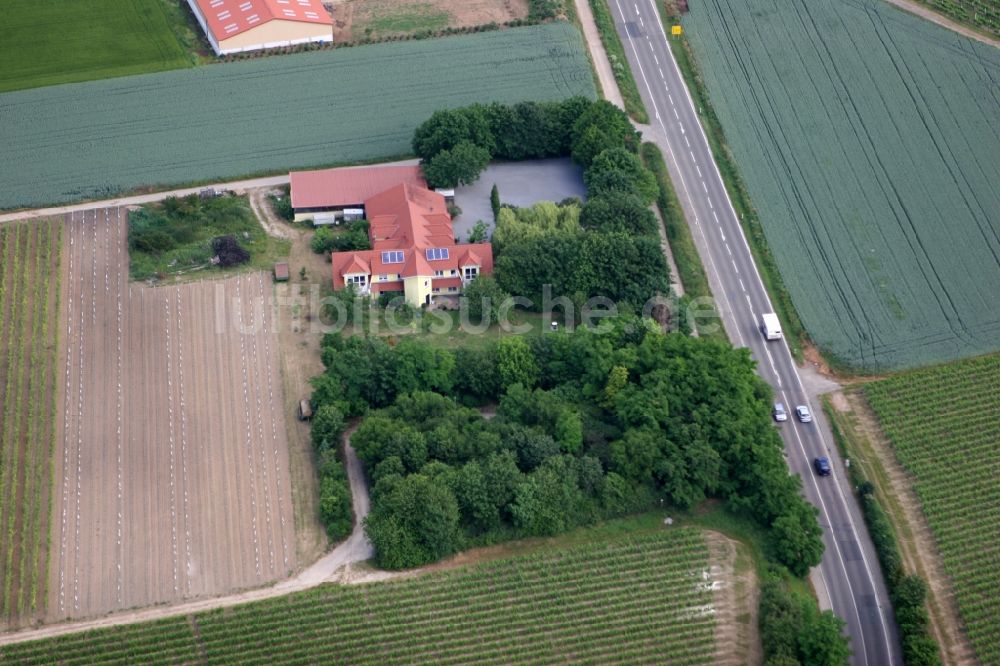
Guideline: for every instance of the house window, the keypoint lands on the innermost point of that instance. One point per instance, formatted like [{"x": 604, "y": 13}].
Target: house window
[
  {"x": 436, "y": 290},
  {"x": 452, "y": 288},
  {"x": 359, "y": 280},
  {"x": 383, "y": 278},
  {"x": 454, "y": 272},
  {"x": 438, "y": 273},
  {"x": 436, "y": 253},
  {"x": 471, "y": 272},
  {"x": 392, "y": 257}
]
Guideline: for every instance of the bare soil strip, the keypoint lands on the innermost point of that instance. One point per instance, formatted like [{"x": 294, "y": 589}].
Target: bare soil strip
[{"x": 172, "y": 463}]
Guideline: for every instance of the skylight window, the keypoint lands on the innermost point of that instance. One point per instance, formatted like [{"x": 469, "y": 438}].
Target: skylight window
[
  {"x": 392, "y": 257},
  {"x": 436, "y": 253}
]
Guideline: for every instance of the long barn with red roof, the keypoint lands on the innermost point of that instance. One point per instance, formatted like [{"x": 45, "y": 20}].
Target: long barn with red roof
[{"x": 233, "y": 26}]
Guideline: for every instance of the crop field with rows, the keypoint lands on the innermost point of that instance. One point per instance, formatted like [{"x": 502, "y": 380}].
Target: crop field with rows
[
  {"x": 219, "y": 122},
  {"x": 639, "y": 599},
  {"x": 982, "y": 14},
  {"x": 944, "y": 424},
  {"x": 29, "y": 321},
  {"x": 868, "y": 140}
]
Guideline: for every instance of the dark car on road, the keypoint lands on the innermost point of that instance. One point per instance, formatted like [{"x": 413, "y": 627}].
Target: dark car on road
[{"x": 822, "y": 465}]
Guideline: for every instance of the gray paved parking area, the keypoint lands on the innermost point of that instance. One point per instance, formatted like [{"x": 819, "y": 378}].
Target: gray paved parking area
[{"x": 520, "y": 184}]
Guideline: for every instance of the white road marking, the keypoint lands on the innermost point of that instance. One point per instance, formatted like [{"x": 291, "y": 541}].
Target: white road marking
[
  {"x": 682, "y": 127},
  {"x": 671, "y": 98},
  {"x": 676, "y": 115},
  {"x": 655, "y": 59},
  {"x": 698, "y": 169},
  {"x": 798, "y": 380},
  {"x": 704, "y": 187},
  {"x": 742, "y": 286},
  {"x": 660, "y": 71},
  {"x": 688, "y": 143}
]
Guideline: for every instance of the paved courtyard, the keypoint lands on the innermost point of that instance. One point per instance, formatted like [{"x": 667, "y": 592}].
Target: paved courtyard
[{"x": 520, "y": 184}]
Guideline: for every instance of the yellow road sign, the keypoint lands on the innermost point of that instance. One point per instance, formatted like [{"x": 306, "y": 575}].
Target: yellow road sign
[{"x": 676, "y": 30}]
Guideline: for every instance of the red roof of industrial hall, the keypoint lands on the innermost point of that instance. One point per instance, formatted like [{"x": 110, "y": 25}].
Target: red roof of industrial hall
[
  {"x": 227, "y": 18},
  {"x": 349, "y": 186}
]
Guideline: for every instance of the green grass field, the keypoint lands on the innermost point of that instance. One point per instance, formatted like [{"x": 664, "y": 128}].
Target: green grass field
[
  {"x": 44, "y": 43},
  {"x": 29, "y": 322},
  {"x": 626, "y": 599},
  {"x": 866, "y": 137},
  {"x": 944, "y": 424},
  {"x": 267, "y": 115}
]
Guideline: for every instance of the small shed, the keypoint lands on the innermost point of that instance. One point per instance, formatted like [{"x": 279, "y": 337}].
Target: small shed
[
  {"x": 305, "y": 410},
  {"x": 281, "y": 271}
]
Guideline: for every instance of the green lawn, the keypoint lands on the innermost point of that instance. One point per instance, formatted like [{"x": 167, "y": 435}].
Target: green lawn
[
  {"x": 411, "y": 19},
  {"x": 44, "y": 43}
]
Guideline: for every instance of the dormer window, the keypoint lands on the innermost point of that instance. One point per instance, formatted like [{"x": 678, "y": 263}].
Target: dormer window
[{"x": 436, "y": 253}]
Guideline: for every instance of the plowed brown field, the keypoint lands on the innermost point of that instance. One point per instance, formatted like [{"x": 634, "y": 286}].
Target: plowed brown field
[{"x": 171, "y": 456}]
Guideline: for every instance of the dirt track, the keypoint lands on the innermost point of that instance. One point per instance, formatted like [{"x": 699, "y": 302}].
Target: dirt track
[{"x": 171, "y": 460}]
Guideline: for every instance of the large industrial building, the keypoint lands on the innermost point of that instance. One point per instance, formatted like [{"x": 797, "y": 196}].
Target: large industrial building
[{"x": 233, "y": 26}]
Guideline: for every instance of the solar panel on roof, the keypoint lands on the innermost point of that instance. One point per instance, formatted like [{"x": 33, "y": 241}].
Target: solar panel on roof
[{"x": 392, "y": 257}]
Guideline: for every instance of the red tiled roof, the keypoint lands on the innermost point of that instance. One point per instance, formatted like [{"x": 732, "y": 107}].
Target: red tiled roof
[
  {"x": 227, "y": 18},
  {"x": 406, "y": 216},
  {"x": 444, "y": 283},
  {"x": 411, "y": 220},
  {"x": 348, "y": 186}
]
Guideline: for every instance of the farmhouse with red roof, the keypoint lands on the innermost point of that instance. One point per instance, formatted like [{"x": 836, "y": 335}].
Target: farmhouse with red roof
[
  {"x": 324, "y": 195},
  {"x": 248, "y": 25},
  {"x": 413, "y": 249}
]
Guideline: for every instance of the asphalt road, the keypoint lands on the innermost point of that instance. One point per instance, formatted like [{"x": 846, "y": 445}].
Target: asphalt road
[{"x": 848, "y": 579}]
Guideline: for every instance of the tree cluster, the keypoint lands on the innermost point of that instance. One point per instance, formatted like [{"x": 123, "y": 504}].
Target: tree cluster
[
  {"x": 334, "y": 490},
  {"x": 455, "y": 145},
  {"x": 590, "y": 424},
  {"x": 610, "y": 247},
  {"x": 907, "y": 591},
  {"x": 349, "y": 237},
  {"x": 793, "y": 631}
]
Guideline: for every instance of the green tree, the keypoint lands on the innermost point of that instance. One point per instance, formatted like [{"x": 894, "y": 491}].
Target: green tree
[
  {"x": 414, "y": 521},
  {"x": 460, "y": 165},
  {"x": 618, "y": 212},
  {"x": 797, "y": 538},
  {"x": 599, "y": 127},
  {"x": 822, "y": 641},
  {"x": 447, "y": 128},
  {"x": 616, "y": 172},
  {"x": 515, "y": 363},
  {"x": 495, "y": 201},
  {"x": 568, "y": 430},
  {"x": 327, "y": 427},
  {"x": 323, "y": 240},
  {"x": 484, "y": 297},
  {"x": 480, "y": 233}
]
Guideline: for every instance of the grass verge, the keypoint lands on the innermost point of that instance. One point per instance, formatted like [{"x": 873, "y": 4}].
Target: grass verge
[
  {"x": 690, "y": 270},
  {"x": 795, "y": 333},
  {"x": 619, "y": 63}
]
